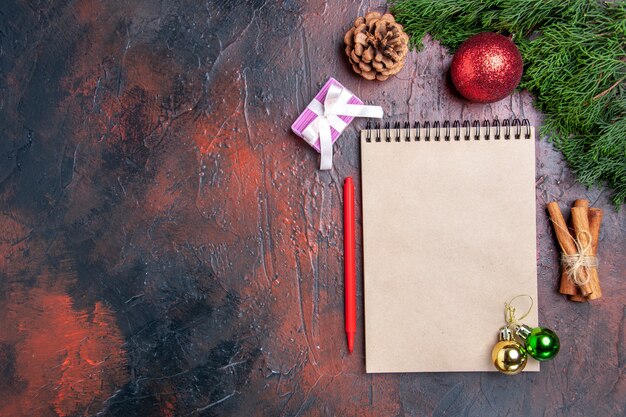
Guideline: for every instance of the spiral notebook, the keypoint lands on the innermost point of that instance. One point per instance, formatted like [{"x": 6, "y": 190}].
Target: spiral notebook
[{"x": 448, "y": 237}]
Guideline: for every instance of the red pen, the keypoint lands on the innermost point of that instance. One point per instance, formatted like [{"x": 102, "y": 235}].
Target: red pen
[{"x": 349, "y": 247}]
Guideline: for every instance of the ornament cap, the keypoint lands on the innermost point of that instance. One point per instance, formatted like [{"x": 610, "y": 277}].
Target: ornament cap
[
  {"x": 523, "y": 331},
  {"x": 505, "y": 334}
]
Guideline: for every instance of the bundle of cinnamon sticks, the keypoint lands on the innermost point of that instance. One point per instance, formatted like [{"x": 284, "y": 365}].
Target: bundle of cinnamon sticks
[{"x": 579, "y": 277}]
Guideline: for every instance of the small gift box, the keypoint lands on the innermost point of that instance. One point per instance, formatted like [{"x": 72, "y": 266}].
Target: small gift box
[{"x": 328, "y": 115}]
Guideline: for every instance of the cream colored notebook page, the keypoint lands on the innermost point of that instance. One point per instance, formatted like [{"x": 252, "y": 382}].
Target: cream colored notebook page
[{"x": 448, "y": 237}]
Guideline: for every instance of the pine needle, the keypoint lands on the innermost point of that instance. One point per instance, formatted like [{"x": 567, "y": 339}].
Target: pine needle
[{"x": 574, "y": 56}]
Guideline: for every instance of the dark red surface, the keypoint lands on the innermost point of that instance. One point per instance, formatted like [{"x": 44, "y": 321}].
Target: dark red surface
[{"x": 169, "y": 248}]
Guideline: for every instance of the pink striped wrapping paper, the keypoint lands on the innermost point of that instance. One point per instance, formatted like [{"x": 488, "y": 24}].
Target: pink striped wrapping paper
[{"x": 307, "y": 116}]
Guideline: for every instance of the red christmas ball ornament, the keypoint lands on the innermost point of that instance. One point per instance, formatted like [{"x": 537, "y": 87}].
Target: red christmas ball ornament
[{"x": 486, "y": 68}]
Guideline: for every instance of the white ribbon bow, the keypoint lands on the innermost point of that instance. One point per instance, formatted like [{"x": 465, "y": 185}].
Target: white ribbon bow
[{"x": 335, "y": 105}]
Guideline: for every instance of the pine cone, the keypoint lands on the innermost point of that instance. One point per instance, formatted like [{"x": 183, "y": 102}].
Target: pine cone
[{"x": 376, "y": 46}]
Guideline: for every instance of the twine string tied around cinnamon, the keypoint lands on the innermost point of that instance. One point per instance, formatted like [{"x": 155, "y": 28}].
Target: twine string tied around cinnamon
[{"x": 574, "y": 265}]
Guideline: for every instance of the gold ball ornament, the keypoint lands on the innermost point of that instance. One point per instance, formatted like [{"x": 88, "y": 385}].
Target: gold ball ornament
[{"x": 509, "y": 357}]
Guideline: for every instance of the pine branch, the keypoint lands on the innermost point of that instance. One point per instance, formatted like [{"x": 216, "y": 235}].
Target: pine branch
[
  {"x": 574, "y": 56},
  {"x": 608, "y": 90}
]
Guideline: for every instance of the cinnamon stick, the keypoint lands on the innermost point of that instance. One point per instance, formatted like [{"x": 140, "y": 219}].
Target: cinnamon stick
[
  {"x": 580, "y": 221},
  {"x": 578, "y": 297},
  {"x": 565, "y": 242},
  {"x": 569, "y": 285},
  {"x": 581, "y": 202},
  {"x": 595, "y": 221}
]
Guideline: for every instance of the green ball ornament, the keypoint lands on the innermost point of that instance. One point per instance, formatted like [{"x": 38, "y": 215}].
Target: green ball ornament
[{"x": 541, "y": 343}]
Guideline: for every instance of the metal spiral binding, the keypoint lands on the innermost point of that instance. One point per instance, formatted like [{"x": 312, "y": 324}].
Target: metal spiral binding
[
  {"x": 466, "y": 126},
  {"x": 507, "y": 129},
  {"x": 487, "y": 127},
  {"x": 437, "y": 126}
]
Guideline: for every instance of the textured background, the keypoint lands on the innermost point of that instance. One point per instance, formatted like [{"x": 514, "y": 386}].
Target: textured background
[{"x": 169, "y": 247}]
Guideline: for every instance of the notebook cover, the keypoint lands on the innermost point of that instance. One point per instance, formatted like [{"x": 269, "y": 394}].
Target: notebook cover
[{"x": 449, "y": 236}]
